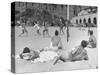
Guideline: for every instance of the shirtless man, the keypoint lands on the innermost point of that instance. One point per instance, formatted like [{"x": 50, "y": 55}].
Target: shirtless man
[
  {"x": 77, "y": 54},
  {"x": 51, "y": 53},
  {"x": 56, "y": 41},
  {"x": 92, "y": 40}
]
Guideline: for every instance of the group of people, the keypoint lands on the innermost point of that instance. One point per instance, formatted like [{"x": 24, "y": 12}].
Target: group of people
[
  {"x": 57, "y": 52},
  {"x": 37, "y": 26}
]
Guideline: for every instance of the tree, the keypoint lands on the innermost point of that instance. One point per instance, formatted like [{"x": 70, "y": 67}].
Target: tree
[
  {"x": 17, "y": 15},
  {"x": 80, "y": 7},
  {"x": 17, "y": 12},
  {"x": 75, "y": 10},
  {"x": 46, "y": 16},
  {"x": 62, "y": 6},
  {"x": 28, "y": 13},
  {"x": 54, "y": 6}
]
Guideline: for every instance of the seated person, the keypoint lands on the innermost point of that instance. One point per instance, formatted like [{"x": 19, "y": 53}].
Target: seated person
[
  {"x": 79, "y": 53},
  {"x": 28, "y": 54},
  {"x": 92, "y": 41},
  {"x": 56, "y": 41}
]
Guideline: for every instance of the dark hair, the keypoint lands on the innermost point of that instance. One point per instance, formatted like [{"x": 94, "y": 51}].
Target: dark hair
[
  {"x": 26, "y": 50},
  {"x": 56, "y": 32},
  {"x": 91, "y": 32},
  {"x": 83, "y": 43}
]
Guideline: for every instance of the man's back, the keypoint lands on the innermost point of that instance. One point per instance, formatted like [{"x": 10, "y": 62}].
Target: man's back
[
  {"x": 92, "y": 39},
  {"x": 79, "y": 54},
  {"x": 55, "y": 40}
]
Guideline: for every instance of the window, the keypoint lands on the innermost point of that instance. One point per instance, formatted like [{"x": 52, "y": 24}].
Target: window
[
  {"x": 84, "y": 20},
  {"x": 23, "y": 4},
  {"x": 76, "y": 21},
  {"x": 89, "y": 20},
  {"x": 95, "y": 20},
  {"x": 80, "y": 21},
  {"x": 32, "y": 4}
]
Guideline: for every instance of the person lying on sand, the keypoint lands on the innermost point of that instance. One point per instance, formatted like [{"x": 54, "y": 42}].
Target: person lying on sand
[
  {"x": 77, "y": 54},
  {"x": 35, "y": 56},
  {"x": 28, "y": 54}
]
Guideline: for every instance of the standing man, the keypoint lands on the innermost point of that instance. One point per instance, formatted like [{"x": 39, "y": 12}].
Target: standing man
[
  {"x": 62, "y": 23},
  {"x": 24, "y": 30}
]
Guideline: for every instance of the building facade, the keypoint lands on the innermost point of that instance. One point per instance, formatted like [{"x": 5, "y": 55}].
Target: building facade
[{"x": 85, "y": 16}]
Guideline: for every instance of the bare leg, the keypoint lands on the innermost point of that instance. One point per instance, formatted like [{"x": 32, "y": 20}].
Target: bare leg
[
  {"x": 21, "y": 33},
  {"x": 60, "y": 30},
  {"x": 48, "y": 33},
  {"x": 63, "y": 31},
  {"x": 26, "y": 33},
  {"x": 43, "y": 33},
  {"x": 38, "y": 32},
  {"x": 56, "y": 60}
]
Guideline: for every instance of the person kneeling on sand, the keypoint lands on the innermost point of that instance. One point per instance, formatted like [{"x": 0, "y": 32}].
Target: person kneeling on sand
[
  {"x": 92, "y": 40},
  {"x": 77, "y": 54}
]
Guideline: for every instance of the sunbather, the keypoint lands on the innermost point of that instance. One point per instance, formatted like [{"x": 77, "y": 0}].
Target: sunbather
[{"x": 77, "y": 54}]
